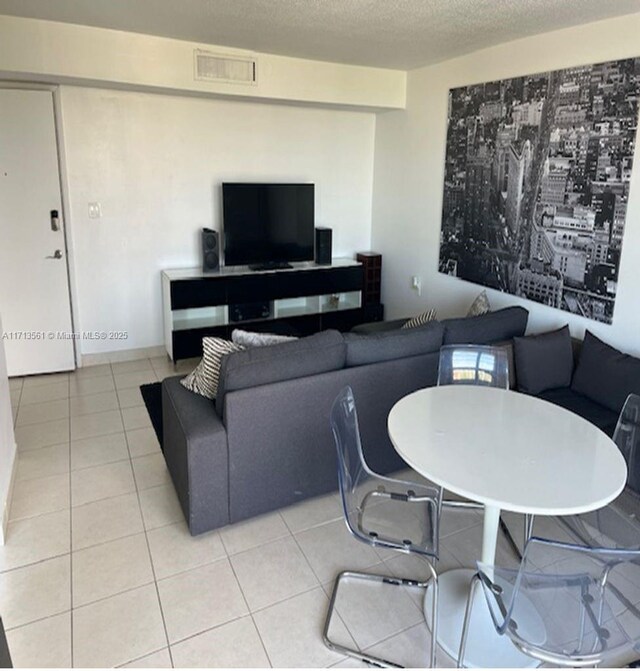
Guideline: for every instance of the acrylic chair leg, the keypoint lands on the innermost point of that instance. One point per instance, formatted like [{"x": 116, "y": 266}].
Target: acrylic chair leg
[{"x": 467, "y": 618}]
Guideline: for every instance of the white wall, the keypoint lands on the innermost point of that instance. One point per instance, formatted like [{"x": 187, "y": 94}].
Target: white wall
[
  {"x": 7, "y": 442},
  {"x": 155, "y": 164},
  {"x": 48, "y": 51},
  {"x": 409, "y": 174}
]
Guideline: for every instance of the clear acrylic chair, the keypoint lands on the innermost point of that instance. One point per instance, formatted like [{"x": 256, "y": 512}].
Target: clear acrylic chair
[
  {"x": 478, "y": 365},
  {"x": 560, "y": 606},
  {"x": 381, "y": 512},
  {"x": 616, "y": 525},
  {"x": 473, "y": 364}
]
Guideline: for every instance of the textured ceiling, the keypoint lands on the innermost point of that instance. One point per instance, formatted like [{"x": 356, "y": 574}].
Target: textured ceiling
[{"x": 386, "y": 33}]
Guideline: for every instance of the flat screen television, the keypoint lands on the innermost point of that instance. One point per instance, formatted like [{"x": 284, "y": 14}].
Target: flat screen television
[{"x": 268, "y": 225}]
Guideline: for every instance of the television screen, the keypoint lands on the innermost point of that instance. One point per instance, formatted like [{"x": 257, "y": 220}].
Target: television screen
[{"x": 268, "y": 224}]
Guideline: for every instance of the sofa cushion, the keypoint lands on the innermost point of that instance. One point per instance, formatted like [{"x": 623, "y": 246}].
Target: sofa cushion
[
  {"x": 595, "y": 413},
  {"x": 390, "y": 345},
  {"x": 319, "y": 353},
  {"x": 485, "y": 329},
  {"x": 544, "y": 361},
  {"x": 606, "y": 375},
  {"x": 252, "y": 339}
]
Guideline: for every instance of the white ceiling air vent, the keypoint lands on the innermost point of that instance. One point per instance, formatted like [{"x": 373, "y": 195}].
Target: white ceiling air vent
[{"x": 213, "y": 67}]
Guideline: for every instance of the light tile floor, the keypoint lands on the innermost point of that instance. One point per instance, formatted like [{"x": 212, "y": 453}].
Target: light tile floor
[{"x": 100, "y": 570}]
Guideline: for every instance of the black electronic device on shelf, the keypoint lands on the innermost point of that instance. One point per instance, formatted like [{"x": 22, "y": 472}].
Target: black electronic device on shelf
[
  {"x": 268, "y": 226},
  {"x": 244, "y": 312}
]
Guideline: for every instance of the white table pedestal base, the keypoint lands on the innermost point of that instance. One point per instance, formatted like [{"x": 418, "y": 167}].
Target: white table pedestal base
[{"x": 485, "y": 647}]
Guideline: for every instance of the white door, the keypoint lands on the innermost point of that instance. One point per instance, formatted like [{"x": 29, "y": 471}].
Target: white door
[{"x": 34, "y": 287}]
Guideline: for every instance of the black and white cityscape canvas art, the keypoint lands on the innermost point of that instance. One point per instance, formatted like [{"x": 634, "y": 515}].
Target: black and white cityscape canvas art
[{"x": 537, "y": 175}]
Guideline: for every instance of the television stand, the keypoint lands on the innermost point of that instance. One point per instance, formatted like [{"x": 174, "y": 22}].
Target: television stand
[
  {"x": 271, "y": 265},
  {"x": 300, "y": 301}
]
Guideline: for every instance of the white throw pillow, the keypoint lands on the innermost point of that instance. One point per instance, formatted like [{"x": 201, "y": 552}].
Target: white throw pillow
[
  {"x": 204, "y": 378},
  {"x": 251, "y": 339},
  {"x": 420, "y": 320},
  {"x": 480, "y": 305}
]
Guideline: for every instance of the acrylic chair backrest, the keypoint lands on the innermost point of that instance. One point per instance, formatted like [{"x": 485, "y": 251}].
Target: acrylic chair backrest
[
  {"x": 473, "y": 365},
  {"x": 617, "y": 525},
  {"x": 353, "y": 472},
  {"x": 627, "y": 437},
  {"x": 565, "y": 603}
]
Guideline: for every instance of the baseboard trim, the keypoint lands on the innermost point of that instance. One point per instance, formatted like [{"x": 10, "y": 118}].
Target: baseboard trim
[
  {"x": 6, "y": 504},
  {"x": 122, "y": 355}
]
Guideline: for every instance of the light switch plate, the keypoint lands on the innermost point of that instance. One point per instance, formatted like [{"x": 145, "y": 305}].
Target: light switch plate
[{"x": 95, "y": 212}]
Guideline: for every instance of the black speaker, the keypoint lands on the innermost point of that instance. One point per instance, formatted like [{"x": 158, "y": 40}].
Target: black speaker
[
  {"x": 210, "y": 250},
  {"x": 323, "y": 246}
]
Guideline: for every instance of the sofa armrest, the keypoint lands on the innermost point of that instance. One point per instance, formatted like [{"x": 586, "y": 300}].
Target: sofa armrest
[{"x": 197, "y": 456}]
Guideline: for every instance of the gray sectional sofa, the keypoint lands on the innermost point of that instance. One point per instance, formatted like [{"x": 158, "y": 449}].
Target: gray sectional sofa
[{"x": 266, "y": 442}]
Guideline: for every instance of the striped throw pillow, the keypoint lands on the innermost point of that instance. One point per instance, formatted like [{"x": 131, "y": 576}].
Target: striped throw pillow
[
  {"x": 420, "y": 320},
  {"x": 480, "y": 305},
  {"x": 204, "y": 378}
]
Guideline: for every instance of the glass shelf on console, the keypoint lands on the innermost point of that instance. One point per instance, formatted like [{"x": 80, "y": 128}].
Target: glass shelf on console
[
  {"x": 311, "y": 305},
  {"x": 294, "y": 307},
  {"x": 196, "y": 318},
  {"x": 350, "y": 300}
]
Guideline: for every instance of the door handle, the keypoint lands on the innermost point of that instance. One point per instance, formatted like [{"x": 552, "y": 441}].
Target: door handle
[
  {"x": 55, "y": 224},
  {"x": 56, "y": 255}
]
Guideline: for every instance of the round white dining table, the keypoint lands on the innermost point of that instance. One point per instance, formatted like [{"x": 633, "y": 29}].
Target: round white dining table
[{"x": 508, "y": 451}]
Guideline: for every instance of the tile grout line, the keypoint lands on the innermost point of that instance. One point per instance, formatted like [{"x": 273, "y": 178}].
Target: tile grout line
[
  {"x": 71, "y": 618},
  {"x": 71, "y": 523},
  {"x": 109, "y": 596},
  {"x": 244, "y": 598},
  {"x": 93, "y": 545},
  {"x": 38, "y": 619},
  {"x": 320, "y": 583},
  {"x": 36, "y": 562},
  {"x": 193, "y": 568},
  {"x": 146, "y": 535},
  {"x": 71, "y": 507},
  {"x": 88, "y": 503},
  {"x": 137, "y": 659},
  {"x": 253, "y": 620}
]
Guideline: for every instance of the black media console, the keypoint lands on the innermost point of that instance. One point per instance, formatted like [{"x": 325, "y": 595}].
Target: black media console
[{"x": 300, "y": 301}]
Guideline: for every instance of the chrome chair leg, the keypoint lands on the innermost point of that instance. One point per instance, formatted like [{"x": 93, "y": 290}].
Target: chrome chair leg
[
  {"x": 372, "y": 660},
  {"x": 469, "y": 505},
  {"x": 434, "y": 614},
  {"x": 528, "y": 532},
  {"x": 529, "y": 521},
  {"x": 467, "y": 617},
  {"x": 514, "y": 546}
]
